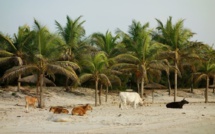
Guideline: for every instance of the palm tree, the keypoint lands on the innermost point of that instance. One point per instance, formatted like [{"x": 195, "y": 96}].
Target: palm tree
[
  {"x": 206, "y": 71},
  {"x": 13, "y": 49},
  {"x": 108, "y": 44},
  {"x": 175, "y": 36},
  {"x": 190, "y": 59},
  {"x": 72, "y": 35},
  {"x": 94, "y": 67},
  {"x": 140, "y": 57},
  {"x": 207, "y": 52},
  {"x": 43, "y": 59}
]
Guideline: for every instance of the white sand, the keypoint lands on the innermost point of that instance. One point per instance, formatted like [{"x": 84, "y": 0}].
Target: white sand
[{"x": 195, "y": 117}]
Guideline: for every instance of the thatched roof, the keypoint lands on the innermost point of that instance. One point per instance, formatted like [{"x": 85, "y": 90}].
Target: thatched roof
[
  {"x": 33, "y": 79},
  {"x": 154, "y": 86},
  {"x": 212, "y": 86}
]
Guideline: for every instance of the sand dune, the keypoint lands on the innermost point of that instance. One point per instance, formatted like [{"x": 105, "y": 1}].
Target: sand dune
[{"x": 195, "y": 117}]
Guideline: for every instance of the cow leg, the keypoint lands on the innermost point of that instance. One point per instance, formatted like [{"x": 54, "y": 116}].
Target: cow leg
[
  {"x": 121, "y": 105},
  {"x": 135, "y": 105},
  {"x": 26, "y": 107},
  {"x": 34, "y": 106},
  {"x": 125, "y": 103},
  {"x": 81, "y": 113}
]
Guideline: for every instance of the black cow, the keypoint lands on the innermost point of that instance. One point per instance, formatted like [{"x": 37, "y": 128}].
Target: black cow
[{"x": 177, "y": 104}]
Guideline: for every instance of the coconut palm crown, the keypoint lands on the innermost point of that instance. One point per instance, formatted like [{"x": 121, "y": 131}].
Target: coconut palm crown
[
  {"x": 43, "y": 59},
  {"x": 175, "y": 36},
  {"x": 94, "y": 67}
]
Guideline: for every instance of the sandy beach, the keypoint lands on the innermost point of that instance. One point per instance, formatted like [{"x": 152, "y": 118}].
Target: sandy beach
[{"x": 196, "y": 117}]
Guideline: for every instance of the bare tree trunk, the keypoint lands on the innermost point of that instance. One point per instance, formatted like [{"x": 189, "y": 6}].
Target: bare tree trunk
[
  {"x": 142, "y": 88},
  {"x": 20, "y": 64},
  {"x": 213, "y": 82},
  {"x": 41, "y": 102},
  {"x": 38, "y": 83},
  {"x": 138, "y": 86},
  {"x": 191, "y": 87},
  {"x": 176, "y": 76},
  {"x": 66, "y": 85},
  {"x": 96, "y": 91},
  {"x": 206, "y": 90},
  {"x": 106, "y": 96},
  {"x": 100, "y": 93},
  {"x": 169, "y": 84},
  {"x": 19, "y": 83}
]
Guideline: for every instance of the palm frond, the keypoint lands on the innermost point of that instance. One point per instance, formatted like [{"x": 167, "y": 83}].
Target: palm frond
[
  {"x": 126, "y": 58},
  {"x": 5, "y": 40},
  {"x": 121, "y": 66},
  {"x": 15, "y": 71},
  {"x": 85, "y": 77},
  {"x": 104, "y": 79},
  {"x": 4, "y": 53},
  {"x": 199, "y": 77},
  {"x": 115, "y": 79},
  {"x": 74, "y": 65},
  {"x": 70, "y": 73},
  {"x": 5, "y": 60},
  {"x": 59, "y": 28}
]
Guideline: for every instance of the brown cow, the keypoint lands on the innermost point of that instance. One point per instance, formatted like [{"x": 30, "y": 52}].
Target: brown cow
[
  {"x": 81, "y": 110},
  {"x": 58, "y": 110},
  {"x": 30, "y": 101}
]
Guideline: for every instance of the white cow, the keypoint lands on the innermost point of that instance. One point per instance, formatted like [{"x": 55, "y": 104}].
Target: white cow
[{"x": 128, "y": 98}]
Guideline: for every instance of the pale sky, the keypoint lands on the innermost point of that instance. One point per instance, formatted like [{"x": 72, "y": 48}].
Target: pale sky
[{"x": 103, "y": 15}]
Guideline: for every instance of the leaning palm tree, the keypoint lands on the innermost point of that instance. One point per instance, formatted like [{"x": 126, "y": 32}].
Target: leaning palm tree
[
  {"x": 207, "y": 52},
  {"x": 93, "y": 67},
  {"x": 43, "y": 59},
  {"x": 190, "y": 57},
  {"x": 175, "y": 36},
  {"x": 13, "y": 49},
  {"x": 206, "y": 71},
  {"x": 72, "y": 35}
]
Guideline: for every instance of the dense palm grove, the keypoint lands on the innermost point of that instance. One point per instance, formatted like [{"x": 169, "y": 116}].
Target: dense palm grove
[{"x": 107, "y": 61}]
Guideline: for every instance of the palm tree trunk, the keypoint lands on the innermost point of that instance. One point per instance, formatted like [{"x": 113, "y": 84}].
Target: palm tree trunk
[
  {"x": 175, "y": 90},
  {"x": 100, "y": 93},
  {"x": 142, "y": 88},
  {"x": 191, "y": 87},
  {"x": 41, "y": 102},
  {"x": 38, "y": 83},
  {"x": 19, "y": 83},
  {"x": 213, "y": 79},
  {"x": 138, "y": 86},
  {"x": 169, "y": 85},
  {"x": 66, "y": 84},
  {"x": 106, "y": 96},
  {"x": 20, "y": 64},
  {"x": 176, "y": 76},
  {"x": 206, "y": 90},
  {"x": 213, "y": 82},
  {"x": 96, "y": 91}
]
